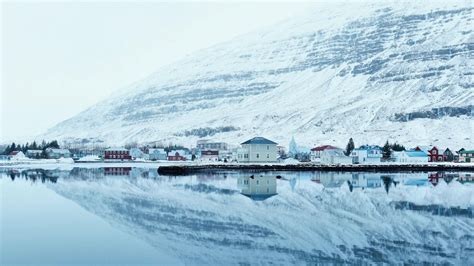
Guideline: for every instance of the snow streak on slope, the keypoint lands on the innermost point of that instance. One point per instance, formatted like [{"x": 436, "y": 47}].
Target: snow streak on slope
[
  {"x": 204, "y": 220},
  {"x": 390, "y": 71}
]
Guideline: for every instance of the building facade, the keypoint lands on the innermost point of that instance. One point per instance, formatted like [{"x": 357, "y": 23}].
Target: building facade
[
  {"x": 466, "y": 156},
  {"x": 335, "y": 156},
  {"x": 316, "y": 151},
  {"x": 177, "y": 155},
  {"x": 209, "y": 155},
  {"x": 367, "y": 155},
  {"x": 120, "y": 154},
  {"x": 411, "y": 156},
  {"x": 34, "y": 154},
  {"x": 58, "y": 153},
  {"x": 258, "y": 150},
  {"x": 157, "y": 154},
  {"x": 205, "y": 144}
]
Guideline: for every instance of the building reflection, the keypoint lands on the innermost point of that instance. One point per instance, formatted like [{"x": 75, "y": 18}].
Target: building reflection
[
  {"x": 257, "y": 187},
  {"x": 117, "y": 171}
]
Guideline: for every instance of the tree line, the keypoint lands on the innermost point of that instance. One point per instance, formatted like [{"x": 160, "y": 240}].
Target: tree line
[{"x": 32, "y": 146}]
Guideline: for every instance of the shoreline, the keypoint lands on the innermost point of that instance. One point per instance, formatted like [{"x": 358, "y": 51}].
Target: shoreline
[{"x": 190, "y": 169}]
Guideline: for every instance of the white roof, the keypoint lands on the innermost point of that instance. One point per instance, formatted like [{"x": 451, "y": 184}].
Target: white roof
[
  {"x": 59, "y": 150},
  {"x": 116, "y": 149}
]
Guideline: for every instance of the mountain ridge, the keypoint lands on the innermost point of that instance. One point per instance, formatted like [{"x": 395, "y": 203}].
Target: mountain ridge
[{"x": 319, "y": 85}]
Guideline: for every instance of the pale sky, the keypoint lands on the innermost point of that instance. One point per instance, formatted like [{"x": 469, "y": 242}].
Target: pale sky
[{"x": 58, "y": 58}]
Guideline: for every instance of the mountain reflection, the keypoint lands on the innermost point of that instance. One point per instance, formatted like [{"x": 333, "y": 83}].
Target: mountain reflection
[{"x": 292, "y": 218}]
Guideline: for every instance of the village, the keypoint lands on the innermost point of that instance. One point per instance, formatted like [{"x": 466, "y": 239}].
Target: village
[{"x": 254, "y": 150}]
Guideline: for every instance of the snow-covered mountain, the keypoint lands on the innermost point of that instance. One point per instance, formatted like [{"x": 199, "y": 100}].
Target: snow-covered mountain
[{"x": 372, "y": 72}]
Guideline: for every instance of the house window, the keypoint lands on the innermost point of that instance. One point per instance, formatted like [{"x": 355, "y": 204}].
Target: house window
[
  {"x": 268, "y": 155},
  {"x": 258, "y": 156},
  {"x": 268, "y": 147},
  {"x": 257, "y": 182}
]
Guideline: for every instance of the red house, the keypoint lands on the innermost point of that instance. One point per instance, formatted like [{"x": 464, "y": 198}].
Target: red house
[
  {"x": 434, "y": 154},
  {"x": 117, "y": 154},
  {"x": 176, "y": 156}
]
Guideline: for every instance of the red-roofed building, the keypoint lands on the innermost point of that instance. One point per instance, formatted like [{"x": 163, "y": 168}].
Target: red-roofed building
[
  {"x": 435, "y": 154},
  {"x": 316, "y": 151}
]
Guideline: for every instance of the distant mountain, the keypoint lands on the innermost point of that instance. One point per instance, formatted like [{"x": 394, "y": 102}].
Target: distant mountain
[{"x": 371, "y": 72}]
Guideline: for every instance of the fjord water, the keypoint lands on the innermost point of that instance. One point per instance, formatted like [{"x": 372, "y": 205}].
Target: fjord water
[{"x": 133, "y": 215}]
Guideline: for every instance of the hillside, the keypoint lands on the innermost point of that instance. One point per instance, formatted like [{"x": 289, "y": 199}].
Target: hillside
[{"x": 393, "y": 72}]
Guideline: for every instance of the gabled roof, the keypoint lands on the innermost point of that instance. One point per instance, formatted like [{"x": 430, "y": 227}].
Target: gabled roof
[
  {"x": 58, "y": 150},
  {"x": 258, "y": 140},
  {"x": 34, "y": 151},
  {"x": 416, "y": 153},
  {"x": 324, "y": 147},
  {"x": 424, "y": 148}
]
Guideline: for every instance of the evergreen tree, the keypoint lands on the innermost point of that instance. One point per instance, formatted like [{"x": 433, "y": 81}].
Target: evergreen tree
[
  {"x": 6, "y": 151},
  {"x": 54, "y": 144},
  {"x": 13, "y": 147},
  {"x": 386, "y": 150},
  {"x": 43, "y": 145},
  {"x": 397, "y": 147},
  {"x": 350, "y": 147}
]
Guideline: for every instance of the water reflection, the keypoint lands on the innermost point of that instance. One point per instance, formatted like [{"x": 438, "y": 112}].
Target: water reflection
[
  {"x": 309, "y": 217},
  {"x": 258, "y": 187}
]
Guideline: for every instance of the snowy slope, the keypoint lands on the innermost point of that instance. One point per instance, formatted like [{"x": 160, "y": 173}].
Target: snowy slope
[
  {"x": 185, "y": 218},
  {"x": 399, "y": 72}
]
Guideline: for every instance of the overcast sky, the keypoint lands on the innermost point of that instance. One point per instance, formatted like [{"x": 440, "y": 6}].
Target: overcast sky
[{"x": 59, "y": 58}]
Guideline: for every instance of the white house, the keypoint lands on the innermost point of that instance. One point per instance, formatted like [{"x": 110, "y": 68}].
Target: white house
[
  {"x": 17, "y": 155},
  {"x": 316, "y": 152},
  {"x": 157, "y": 154},
  {"x": 257, "y": 150},
  {"x": 411, "y": 156},
  {"x": 209, "y": 155},
  {"x": 136, "y": 153},
  {"x": 34, "y": 153},
  {"x": 58, "y": 153},
  {"x": 335, "y": 156},
  {"x": 367, "y": 155}
]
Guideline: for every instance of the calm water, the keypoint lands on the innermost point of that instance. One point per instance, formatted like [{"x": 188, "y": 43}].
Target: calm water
[{"x": 135, "y": 216}]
